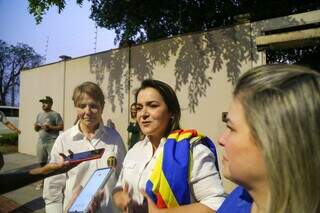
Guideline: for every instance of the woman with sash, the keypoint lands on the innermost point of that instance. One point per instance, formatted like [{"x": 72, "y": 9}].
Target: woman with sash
[{"x": 175, "y": 167}]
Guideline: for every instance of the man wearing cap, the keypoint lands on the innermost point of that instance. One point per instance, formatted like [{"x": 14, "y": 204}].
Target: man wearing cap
[{"x": 48, "y": 124}]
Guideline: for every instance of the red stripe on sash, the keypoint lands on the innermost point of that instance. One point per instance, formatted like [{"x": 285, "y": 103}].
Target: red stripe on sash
[{"x": 160, "y": 202}]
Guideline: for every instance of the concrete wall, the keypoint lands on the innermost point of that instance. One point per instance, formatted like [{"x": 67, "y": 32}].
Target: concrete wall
[{"x": 201, "y": 67}]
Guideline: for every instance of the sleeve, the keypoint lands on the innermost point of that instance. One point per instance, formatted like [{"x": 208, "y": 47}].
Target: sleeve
[
  {"x": 13, "y": 181},
  {"x": 59, "y": 119},
  {"x": 53, "y": 186},
  {"x": 37, "y": 119},
  {"x": 3, "y": 118},
  {"x": 206, "y": 184}
]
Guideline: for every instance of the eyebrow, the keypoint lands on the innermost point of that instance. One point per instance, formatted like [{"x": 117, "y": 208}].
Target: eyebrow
[
  {"x": 224, "y": 117},
  {"x": 149, "y": 102}
]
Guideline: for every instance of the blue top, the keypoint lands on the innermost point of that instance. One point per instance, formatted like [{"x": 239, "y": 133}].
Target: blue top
[{"x": 239, "y": 201}]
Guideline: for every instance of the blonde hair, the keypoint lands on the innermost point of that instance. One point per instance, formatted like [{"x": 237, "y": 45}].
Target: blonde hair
[
  {"x": 91, "y": 89},
  {"x": 282, "y": 108}
]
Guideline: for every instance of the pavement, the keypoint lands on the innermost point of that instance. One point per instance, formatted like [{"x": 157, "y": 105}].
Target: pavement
[{"x": 25, "y": 199}]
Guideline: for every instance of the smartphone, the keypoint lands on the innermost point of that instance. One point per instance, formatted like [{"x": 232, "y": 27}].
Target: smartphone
[
  {"x": 95, "y": 183},
  {"x": 85, "y": 156}
]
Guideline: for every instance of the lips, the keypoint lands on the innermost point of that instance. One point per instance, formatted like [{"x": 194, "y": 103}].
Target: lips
[{"x": 145, "y": 122}]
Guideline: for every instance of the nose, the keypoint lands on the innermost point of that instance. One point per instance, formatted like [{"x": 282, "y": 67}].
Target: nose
[
  {"x": 144, "y": 112},
  {"x": 223, "y": 138},
  {"x": 87, "y": 109}
]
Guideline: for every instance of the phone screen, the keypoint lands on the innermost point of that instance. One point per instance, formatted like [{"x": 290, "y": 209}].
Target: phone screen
[
  {"x": 88, "y": 155},
  {"x": 96, "y": 182}
]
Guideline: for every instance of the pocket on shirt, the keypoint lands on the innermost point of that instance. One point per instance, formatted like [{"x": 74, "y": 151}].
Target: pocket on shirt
[
  {"x": 132, "y": 169},
  {"x": 129, "y": 164}
]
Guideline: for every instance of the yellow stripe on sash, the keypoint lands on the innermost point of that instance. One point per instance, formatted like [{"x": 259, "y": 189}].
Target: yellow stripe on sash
[{"x": 161, "y": 184}]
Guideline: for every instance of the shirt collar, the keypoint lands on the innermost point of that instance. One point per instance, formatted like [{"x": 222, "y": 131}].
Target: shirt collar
[
  {"x": 146, "y": 140},
  {"x": 76, "y": 133}
]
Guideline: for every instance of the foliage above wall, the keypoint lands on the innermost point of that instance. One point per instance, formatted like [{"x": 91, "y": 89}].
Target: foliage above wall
[{"x": 141, "y": 20}]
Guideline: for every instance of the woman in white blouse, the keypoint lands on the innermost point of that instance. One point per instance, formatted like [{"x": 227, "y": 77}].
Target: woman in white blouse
[
  {"x": 158, "y": 114},
  {"x": 88, "y": 133}
]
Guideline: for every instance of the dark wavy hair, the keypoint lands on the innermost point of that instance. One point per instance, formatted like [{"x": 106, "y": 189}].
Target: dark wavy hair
[{"x": 170, "y": 98}]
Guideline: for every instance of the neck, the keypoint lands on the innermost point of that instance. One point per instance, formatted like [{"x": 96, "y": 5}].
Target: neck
[
  {"x": 260, "y": 198},
  {"x": 155, "y": 141},
  {"x": 87, "y": 130}
]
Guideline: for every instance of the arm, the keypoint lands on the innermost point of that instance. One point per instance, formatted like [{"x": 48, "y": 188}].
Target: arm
[
  {"x": 13, "y": 181},
  {"x": 57, "y": 127},
  {"x": 58, "y": 121},
  {"x": 53, "y": 186},
  {"x": 191, "y": 208},
  {"x": 12, "y": 127},
  {"x": 205, "y": 182},
  {"x": 36, "y": 125}
]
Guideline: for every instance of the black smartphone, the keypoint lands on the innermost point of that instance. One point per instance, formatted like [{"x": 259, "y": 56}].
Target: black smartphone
[
  {"x": 97, "y": 180},
  {"x": 85, "y": 156}
]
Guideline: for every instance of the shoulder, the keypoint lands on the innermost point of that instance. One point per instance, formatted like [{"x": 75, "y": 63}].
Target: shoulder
[
  {"x": 67, "y": 134},
  {"x": 111, "y": 132},
  {"x": 111, "y": 136},
  {"x": 54, "y": 113},
  {"x": 137, "y": 149},
  {"x": 238, "y": 201}
]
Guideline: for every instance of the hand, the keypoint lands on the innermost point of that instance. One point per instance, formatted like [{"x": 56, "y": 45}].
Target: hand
[
  {"x": 59, "y": 167},
  {"x": 122, "y": 198},
  {"x": 46, "y": 127},
  {"x": 37, "y": 127},
  {"x": 152, "y": 208},
  {"x": 96, "y": 200},
  {"x": 73, "y": 197}
]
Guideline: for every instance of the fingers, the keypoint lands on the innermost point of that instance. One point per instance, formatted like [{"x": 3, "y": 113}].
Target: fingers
[
  {"x": 126, "y": 187},
  {"x": 151, "y": 205},
  {"x": 74, "y": 195},
  {"x": 63, "y": 156},
  {"x": 70, "y": 153},
  {"x": 96, "y": 200},
  {"x": 145, "y": 195}
]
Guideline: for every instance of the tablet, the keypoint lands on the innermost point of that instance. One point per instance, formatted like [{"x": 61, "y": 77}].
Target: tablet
[
  {"x": 95, "y": 183},
  {"x": 85, "y": 156}
]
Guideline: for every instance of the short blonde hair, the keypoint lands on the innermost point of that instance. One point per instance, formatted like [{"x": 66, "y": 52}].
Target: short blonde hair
[
  {"x": 91, "y": 89},
  {"x": 282, "y": 108}
]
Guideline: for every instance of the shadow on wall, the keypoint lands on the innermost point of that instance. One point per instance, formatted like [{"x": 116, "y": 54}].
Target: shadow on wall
[
  {"x": 197, "y": 55},
  {"x": 115, "y": 65}
]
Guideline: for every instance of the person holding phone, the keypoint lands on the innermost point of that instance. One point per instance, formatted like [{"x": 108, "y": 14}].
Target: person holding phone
[
  {"x": 88, "y": 133},
  {"x": 13, "y": 180},
  {"x": 158, "y": 115}
]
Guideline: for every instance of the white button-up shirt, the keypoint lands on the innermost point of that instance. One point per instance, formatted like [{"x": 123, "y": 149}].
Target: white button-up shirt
[
  {"x": 58, "y": 189},
  {"x": 205, "y": 183}
]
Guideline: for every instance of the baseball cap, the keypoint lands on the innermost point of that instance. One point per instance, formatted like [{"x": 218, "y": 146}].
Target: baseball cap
[{"x": 46, "y": 99}]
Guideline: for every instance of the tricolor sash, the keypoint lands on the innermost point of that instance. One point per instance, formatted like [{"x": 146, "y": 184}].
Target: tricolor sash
[{"x": 168, "y": 185}]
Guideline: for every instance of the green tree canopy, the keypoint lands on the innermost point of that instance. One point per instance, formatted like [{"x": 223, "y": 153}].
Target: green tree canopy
[
  {"x": 147, "y": 20},
  {"x": 13, "y": 59}
]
